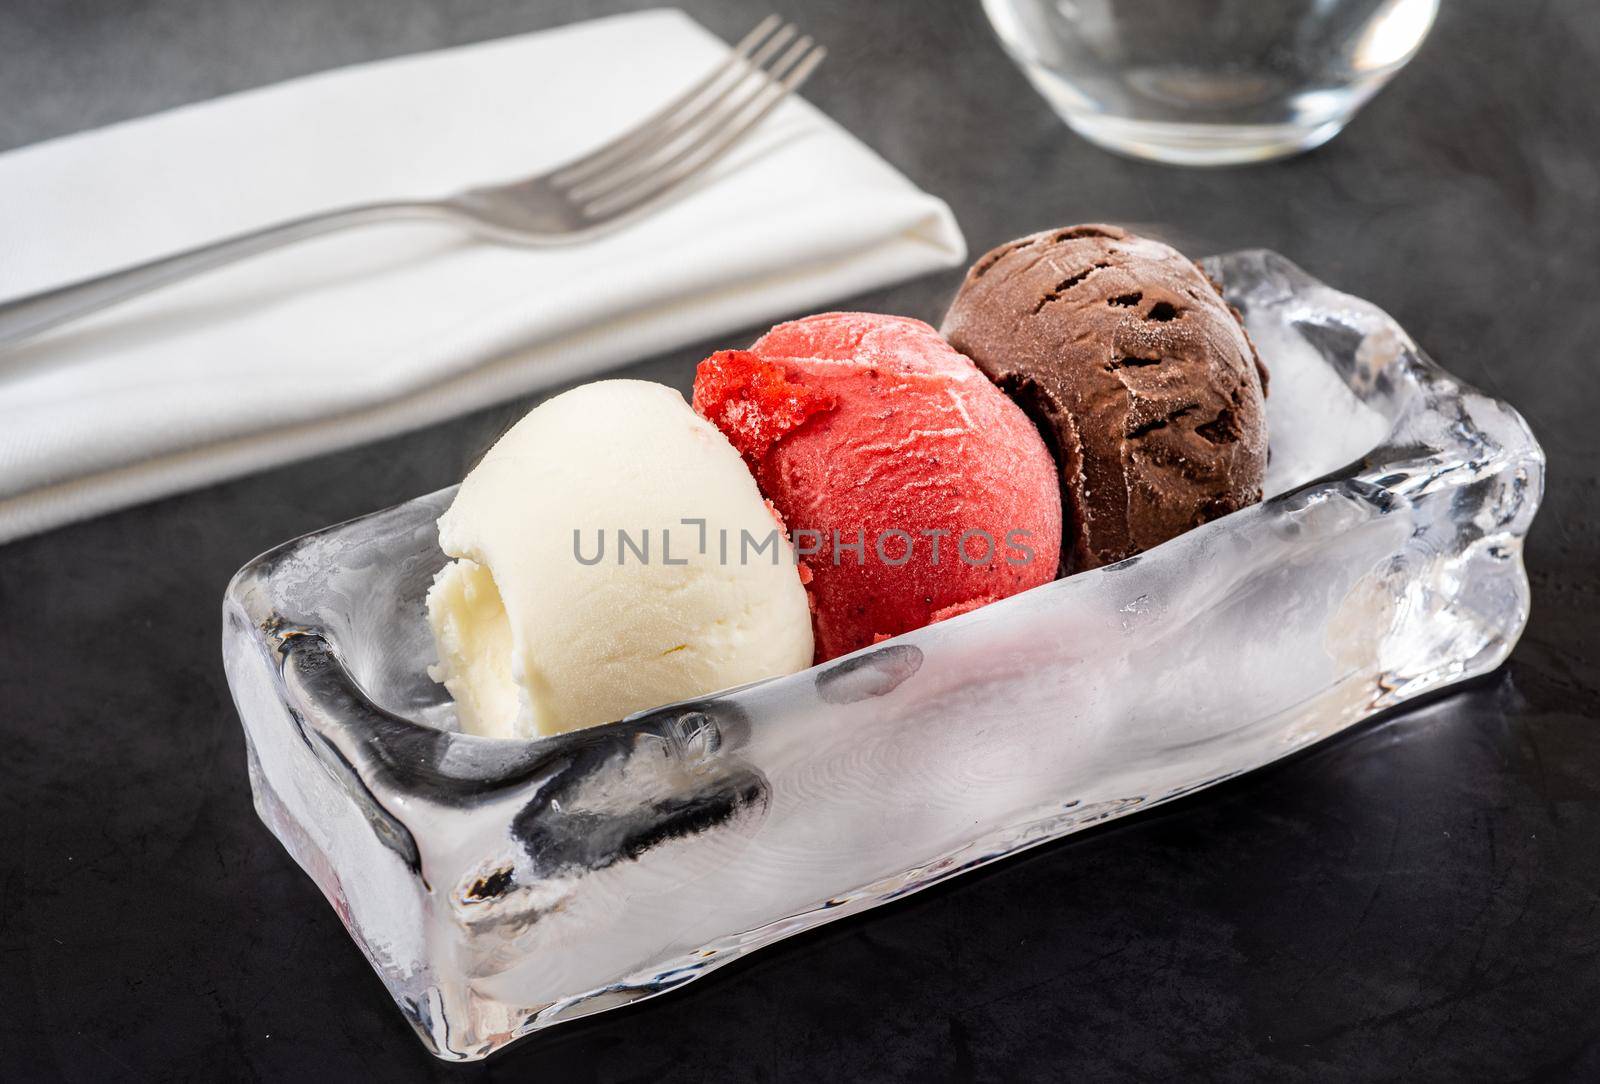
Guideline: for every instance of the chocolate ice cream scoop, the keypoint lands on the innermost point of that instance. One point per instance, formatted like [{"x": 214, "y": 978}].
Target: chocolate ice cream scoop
[{"x": 1138, "y": 374}]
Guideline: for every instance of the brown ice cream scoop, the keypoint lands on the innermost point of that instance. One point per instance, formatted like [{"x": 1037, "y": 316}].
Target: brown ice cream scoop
[{"x": 1138, "y": 374}]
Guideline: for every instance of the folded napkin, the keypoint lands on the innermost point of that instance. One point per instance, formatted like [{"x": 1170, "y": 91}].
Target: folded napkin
[{"x": 374, "y": 331}]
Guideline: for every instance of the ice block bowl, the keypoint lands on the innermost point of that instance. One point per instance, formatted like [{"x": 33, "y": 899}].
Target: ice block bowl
[{"x": 499, "y": 887}]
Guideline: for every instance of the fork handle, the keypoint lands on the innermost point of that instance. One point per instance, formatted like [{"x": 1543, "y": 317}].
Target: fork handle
[{"x": 24, "y": 317}]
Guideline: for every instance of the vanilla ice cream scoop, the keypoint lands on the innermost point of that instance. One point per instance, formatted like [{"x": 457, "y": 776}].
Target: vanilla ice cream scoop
[{"x": 613, "y": 554}]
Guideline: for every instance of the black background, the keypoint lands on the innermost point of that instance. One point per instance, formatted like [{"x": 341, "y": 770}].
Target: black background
[{"x": 1418, "y": 899}]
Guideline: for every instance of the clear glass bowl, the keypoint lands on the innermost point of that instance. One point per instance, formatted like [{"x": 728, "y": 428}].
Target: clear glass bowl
[
  {"x": 1210, "y": 82},
  {"x": 499, "y": 887}
]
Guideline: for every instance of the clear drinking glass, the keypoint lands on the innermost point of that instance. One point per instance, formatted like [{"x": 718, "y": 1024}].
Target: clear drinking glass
[{"x": 1210, "y": 82}]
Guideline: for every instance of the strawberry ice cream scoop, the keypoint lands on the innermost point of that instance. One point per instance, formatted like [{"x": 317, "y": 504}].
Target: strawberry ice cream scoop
[{"x": 913, "y": 488}]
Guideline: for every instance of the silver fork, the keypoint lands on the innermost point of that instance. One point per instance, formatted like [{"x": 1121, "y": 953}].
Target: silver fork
[{"x": 610, "y": 184}]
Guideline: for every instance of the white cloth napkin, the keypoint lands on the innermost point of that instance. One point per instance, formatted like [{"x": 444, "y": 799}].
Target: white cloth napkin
[{"x": 374, "y": 331}]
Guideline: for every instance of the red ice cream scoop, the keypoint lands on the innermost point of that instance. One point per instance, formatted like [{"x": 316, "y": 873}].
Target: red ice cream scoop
[{"x": 913, "y": 488}]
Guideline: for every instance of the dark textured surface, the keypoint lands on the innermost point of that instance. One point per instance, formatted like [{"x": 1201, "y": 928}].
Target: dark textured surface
[{"x": 1418, "y": 900}]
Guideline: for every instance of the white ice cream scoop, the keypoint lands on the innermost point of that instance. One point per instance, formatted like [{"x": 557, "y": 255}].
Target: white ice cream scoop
[{"x": 614, "y": 554}]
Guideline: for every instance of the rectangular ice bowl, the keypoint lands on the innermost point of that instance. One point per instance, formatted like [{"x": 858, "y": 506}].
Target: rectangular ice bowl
[{"x": 499, "y": 887}]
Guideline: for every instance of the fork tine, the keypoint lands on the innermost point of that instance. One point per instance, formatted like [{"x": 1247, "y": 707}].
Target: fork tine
[
  {"x": 640, "y": 168},
  {"x": 620, "y": 167},
  {"x": 629, "y": 140},
  {"x": 713, "y": 145}
]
